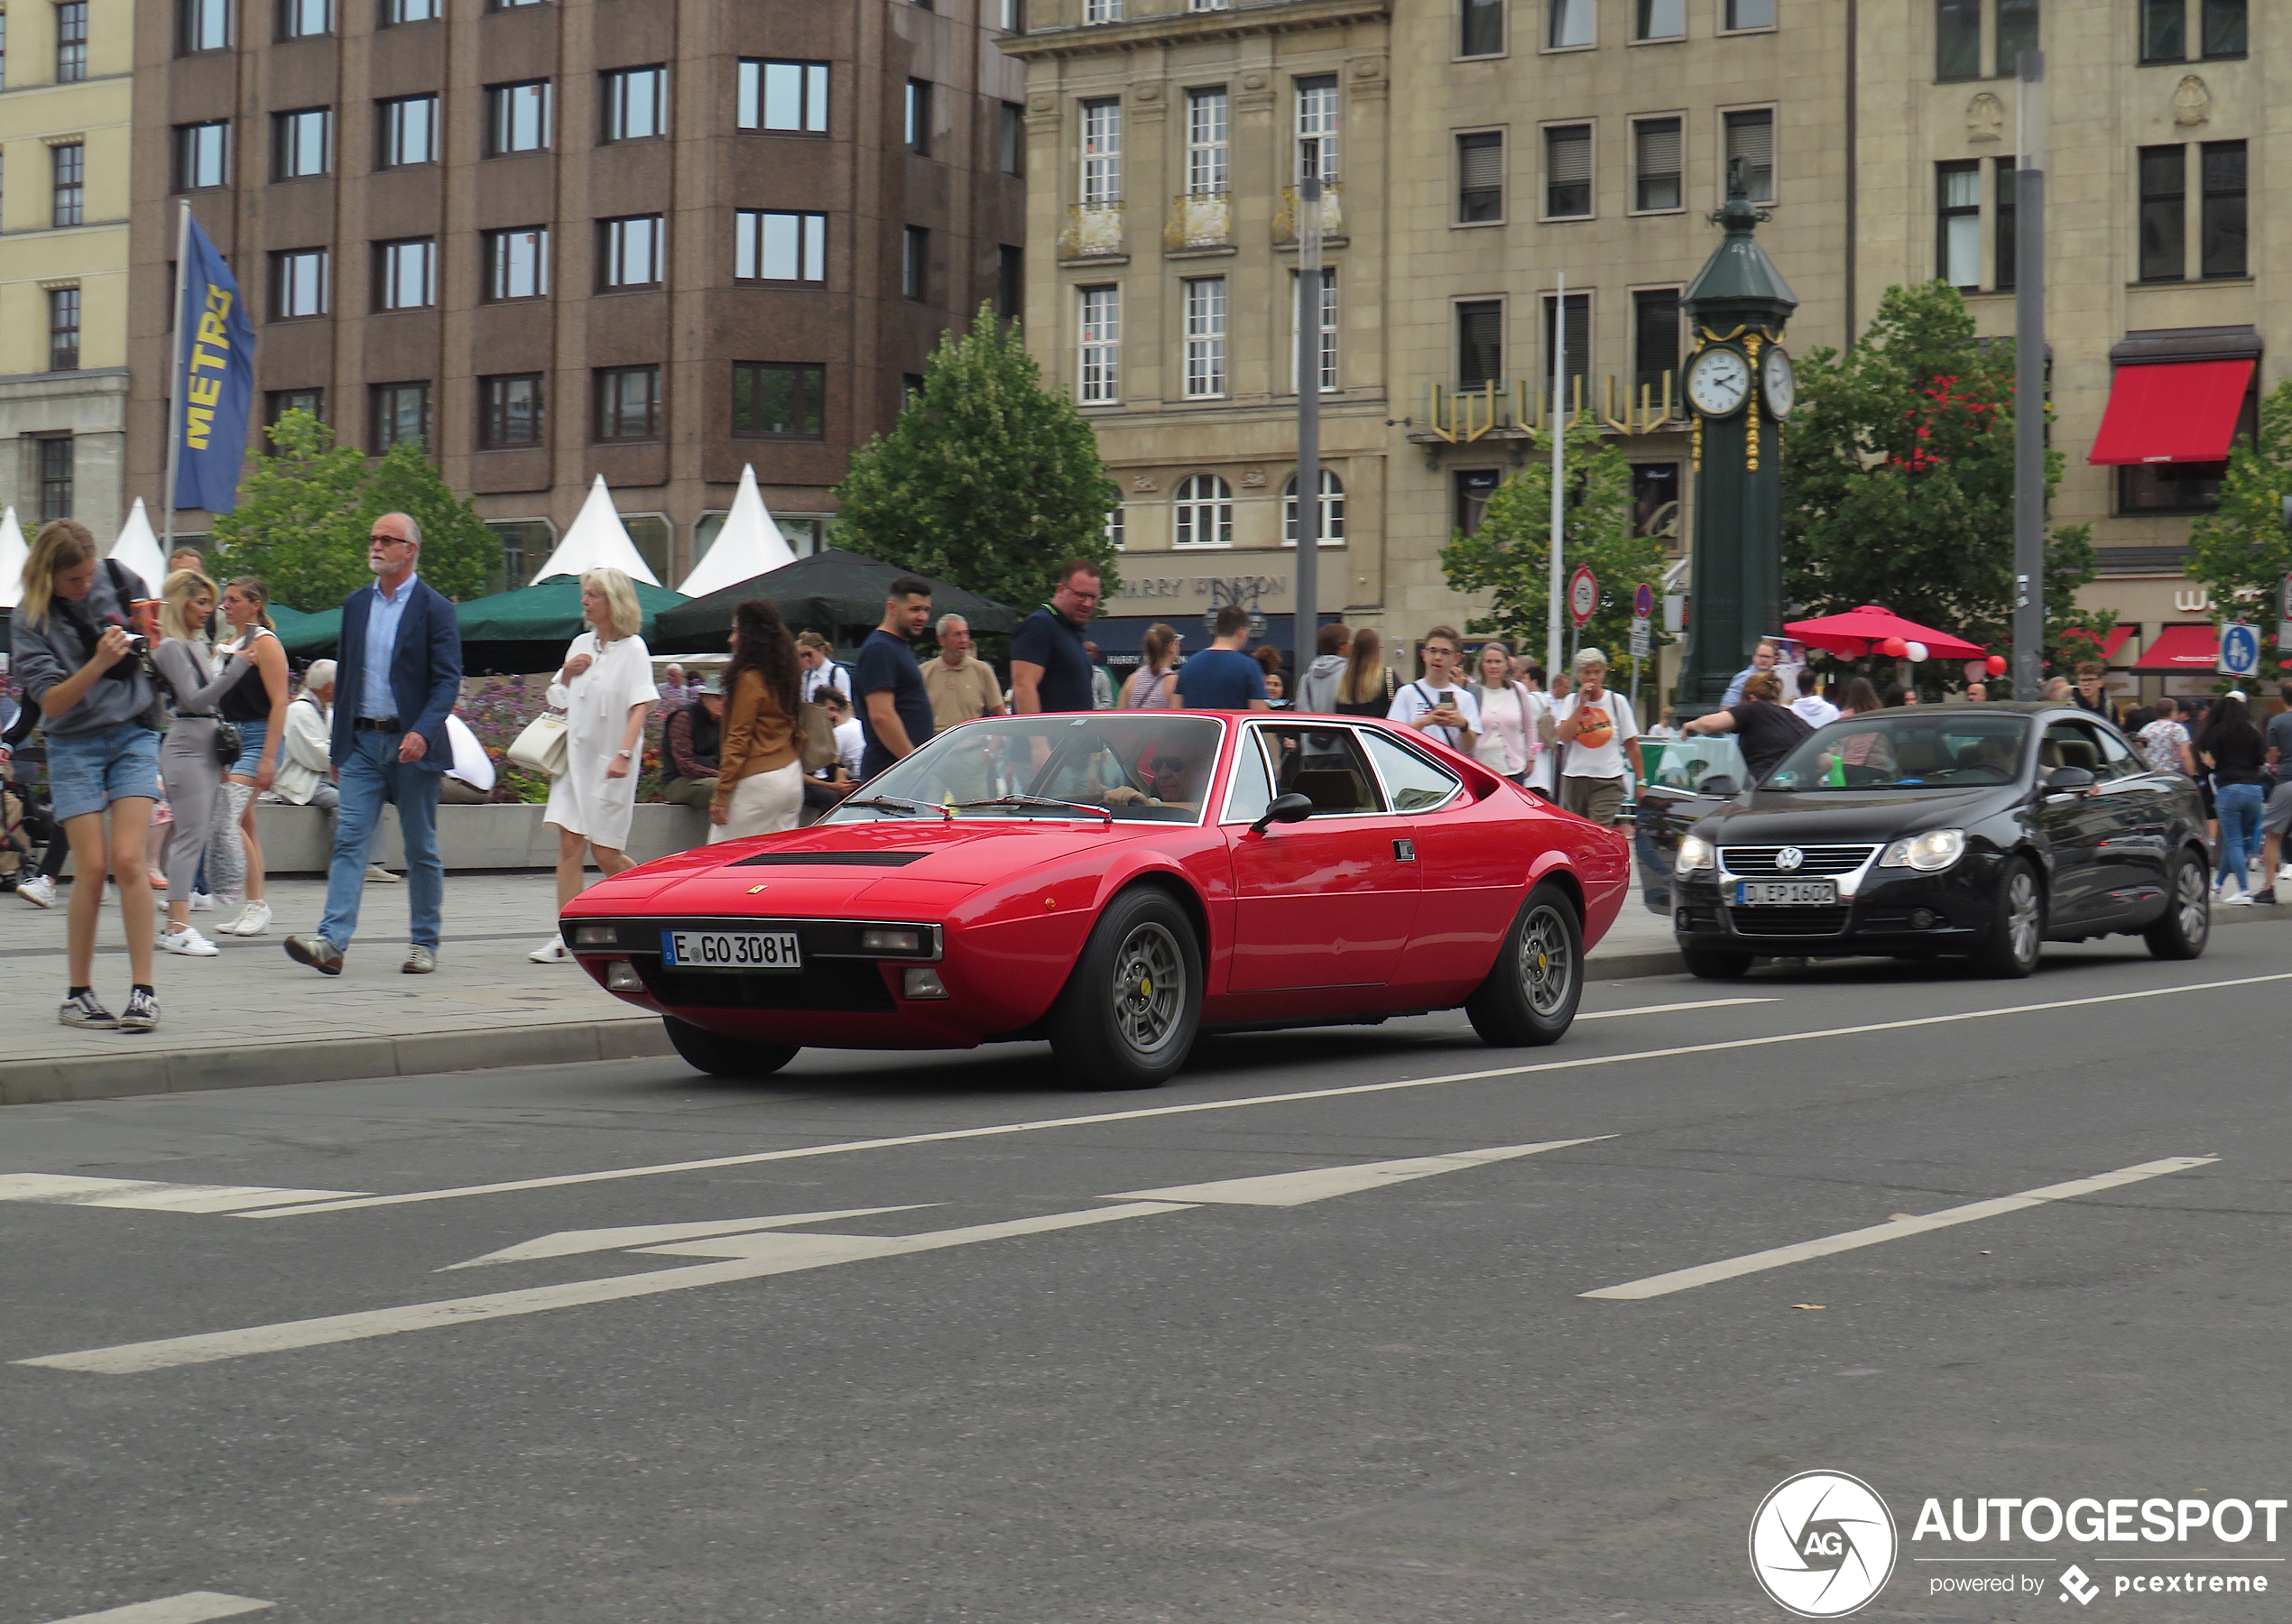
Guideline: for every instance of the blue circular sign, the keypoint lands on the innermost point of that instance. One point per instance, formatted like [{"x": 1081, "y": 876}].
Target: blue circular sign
[
  {"x": 2240, "y": 651},
  {"x": 1643, "y": 602}
]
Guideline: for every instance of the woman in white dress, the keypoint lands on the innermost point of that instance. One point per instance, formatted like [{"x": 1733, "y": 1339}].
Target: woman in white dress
[
  {"x": 605, "y": 689},
  {"x": 1509, "y": 711}
]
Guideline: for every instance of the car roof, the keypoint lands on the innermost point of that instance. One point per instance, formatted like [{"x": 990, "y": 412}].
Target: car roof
[{"x": 2017, "y": 707}]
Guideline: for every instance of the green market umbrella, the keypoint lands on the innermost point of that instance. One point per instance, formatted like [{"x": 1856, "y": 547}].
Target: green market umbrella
[
  {"x": 824, "y": 592},
  {"x": 307, "y": 636},
  {"x": 526, "y": 630}
]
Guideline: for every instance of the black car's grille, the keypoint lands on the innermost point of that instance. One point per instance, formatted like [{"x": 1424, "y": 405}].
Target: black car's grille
[
  {"x": 1814, "y": 860},
  {"x": 840, "y": 985},
  {"x": 1787, "y": 921}
]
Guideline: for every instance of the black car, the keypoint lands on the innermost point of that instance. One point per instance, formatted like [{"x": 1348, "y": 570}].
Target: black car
[{"x": 1982, "y": 830}]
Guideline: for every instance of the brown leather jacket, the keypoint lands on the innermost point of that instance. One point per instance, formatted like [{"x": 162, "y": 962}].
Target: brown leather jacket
[{"x": 758, "y": 737}]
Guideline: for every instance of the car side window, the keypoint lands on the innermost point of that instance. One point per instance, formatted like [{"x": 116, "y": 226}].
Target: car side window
[
  {"x": 2116, "y": 760},
  {"x": 1326, "y": 765},
  {"x": 1252, "y": 791},
  {"x": 1413, "y": 783},
  {"x": 2069, "y": 744}
]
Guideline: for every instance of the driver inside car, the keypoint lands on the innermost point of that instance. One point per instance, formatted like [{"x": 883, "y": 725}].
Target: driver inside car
[{"x": 1172, "y": 781}]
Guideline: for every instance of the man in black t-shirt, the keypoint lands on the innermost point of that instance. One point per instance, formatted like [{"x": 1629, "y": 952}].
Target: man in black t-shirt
[
  {"x": 1766, "y": 729},
  {"x": 1049, "y": 667},
  {"x": 895, "y": 708}
]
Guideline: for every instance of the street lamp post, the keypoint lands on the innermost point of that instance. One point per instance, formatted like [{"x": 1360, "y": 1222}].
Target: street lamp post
[
  {"x": 2029, "y": 378},
  {"x": 1307, "y": 621}
]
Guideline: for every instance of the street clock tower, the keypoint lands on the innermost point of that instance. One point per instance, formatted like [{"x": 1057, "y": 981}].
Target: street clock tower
[{"x": 1739, "y": 388}]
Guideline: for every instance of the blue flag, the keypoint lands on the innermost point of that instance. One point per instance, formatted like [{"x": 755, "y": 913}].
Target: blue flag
[{"x": 217, "y": 363}]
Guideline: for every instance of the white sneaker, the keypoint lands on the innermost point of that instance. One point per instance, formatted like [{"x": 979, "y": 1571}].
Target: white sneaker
[
  {"x": 2240, "y": 898},
  {"x": 2284, "y": 871},
  {"x": 378, "y": 875},
  {"x": 201, "y": 902},
  {"x": 253, "y": 921},
  {"x": 39, "y": 890},
  {"x": 551, "y": 952},
  {"x": 188, "y": 943}
]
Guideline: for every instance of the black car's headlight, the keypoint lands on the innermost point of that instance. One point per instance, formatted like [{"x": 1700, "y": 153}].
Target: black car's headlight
[
  {"x": 1929, "y": 853},
  {"x": 1695, "y": 853}
]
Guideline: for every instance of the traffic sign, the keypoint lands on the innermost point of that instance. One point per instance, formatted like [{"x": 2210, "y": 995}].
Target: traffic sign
[
  {"x": 2284, "y": 617},
  {"x": 1582, "y": 595},
  {"x": 2240, "y": 651},
  {"x": 1643, "y": 601},
  {"x": 1643, "y": 640}
]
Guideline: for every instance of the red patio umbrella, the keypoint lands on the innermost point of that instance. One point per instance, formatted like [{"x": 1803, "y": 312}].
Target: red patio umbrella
[{"x": 1858, "y": 632}]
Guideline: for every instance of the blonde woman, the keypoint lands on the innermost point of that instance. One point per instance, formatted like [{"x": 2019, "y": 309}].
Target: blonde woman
[
  {"x": 256, "y": 703},
  {"x": 1367, "y": 685},
  {"x": 100, "y": 710},
  {"x": 1148, "y": 687},
  {"x": 606, "y": 691},
  {"x": 187, "y": 761}
]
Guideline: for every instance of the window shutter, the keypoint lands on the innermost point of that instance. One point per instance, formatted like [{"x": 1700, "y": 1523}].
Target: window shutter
[
  {"x": 1752, "y": 136},
  {"x": 1659, "y": 146},
  {"x": 1483, "y": 162},
  {"x": 1569, "y": 155}
]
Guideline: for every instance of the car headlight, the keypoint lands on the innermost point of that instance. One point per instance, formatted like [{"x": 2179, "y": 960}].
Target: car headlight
[
  {"x": 1928, "y": 853},
  {"x": 1695, "y": 853}
]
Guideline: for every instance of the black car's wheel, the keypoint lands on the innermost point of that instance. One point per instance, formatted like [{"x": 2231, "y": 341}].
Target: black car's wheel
[
  {"x": 1715, "y": 964},
  {"x": 723, "y": 1057},
  {"x": 1530, "y": 995},
  {"x": 1130, "y": 1010},
  {"x": 2018, "y": 929},
  {"x": 2187, "y": 924}
]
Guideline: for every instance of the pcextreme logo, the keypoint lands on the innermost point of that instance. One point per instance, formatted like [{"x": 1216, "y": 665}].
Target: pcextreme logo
[{"x": 1823, "y": 1543}]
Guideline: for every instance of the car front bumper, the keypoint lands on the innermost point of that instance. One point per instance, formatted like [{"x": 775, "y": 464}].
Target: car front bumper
[{"x": 1892, "y": 910}]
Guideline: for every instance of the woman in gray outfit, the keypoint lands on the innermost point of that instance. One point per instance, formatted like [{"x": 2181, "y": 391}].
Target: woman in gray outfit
[{"x": 187, "y": 760}]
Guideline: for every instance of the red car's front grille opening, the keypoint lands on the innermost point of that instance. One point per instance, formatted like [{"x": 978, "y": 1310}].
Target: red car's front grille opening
[{"x": 836, "y": 985}]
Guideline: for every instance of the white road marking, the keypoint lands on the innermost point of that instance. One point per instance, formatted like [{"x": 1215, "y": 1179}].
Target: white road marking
[
  {"x": 1897, "y": 1229},
  {"x": 141, "y": 1194},
  {"x": 944, "y": 1136},
  {"x": 568, "y": 1244},
  {"x": 1319, "y": 1184},
  {"x": 1672, "y": 1009},
  {"x": 193, "y": 1607}
]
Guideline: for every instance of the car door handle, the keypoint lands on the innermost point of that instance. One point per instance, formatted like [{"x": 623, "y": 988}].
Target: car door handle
[{"x": 1404, "y": 850}]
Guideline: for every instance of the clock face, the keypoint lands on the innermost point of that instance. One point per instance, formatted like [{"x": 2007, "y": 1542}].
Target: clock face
[
  {"x": 1782, "y": 382},
  {"x": 1719, "y": 382}
]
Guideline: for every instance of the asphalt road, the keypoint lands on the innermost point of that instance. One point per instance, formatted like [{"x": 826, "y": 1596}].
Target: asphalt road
[{"x": 1068, "y": 1384}]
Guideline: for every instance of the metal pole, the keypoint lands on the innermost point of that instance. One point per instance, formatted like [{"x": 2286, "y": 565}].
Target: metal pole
[
  {"x": 1307, "y": 624},
  {"x": 2029, "y": 379},
  {"x": 1552, "y": 667},
  {"x": 175, "y": 368}
]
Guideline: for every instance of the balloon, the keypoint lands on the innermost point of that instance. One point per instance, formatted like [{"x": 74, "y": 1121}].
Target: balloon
[
  {"x": 1894, "y": 648},
  {"x": 1997, "y": 665},
  {"x": 1916, "y": 650}
]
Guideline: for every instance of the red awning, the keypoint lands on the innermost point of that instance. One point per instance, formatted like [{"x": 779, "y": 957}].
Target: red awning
[
  {"x": 2182, "y": 649},
  {"x": 2180, "y": 413},
  {"x": 2119, "y": 636}
]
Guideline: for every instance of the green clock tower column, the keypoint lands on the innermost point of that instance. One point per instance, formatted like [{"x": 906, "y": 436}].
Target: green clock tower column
[{"x": 1740, "y": 391}]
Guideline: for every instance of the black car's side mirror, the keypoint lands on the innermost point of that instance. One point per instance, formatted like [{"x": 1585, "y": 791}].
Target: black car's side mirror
[
  {"x": 2069, "y": 780},
  {"x": 1719, "y": 786},
  {"x": 1287, "y": 808}
]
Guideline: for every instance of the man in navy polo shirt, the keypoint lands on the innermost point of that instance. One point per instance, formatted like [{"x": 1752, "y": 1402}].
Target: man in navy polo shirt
[
  {"x": 1049, "y": 667},
  {"x": 895, "y": 706}
]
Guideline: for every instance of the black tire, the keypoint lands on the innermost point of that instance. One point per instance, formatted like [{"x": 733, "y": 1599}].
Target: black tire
[
  {"x": 723, "y": 1057},
  {"x": 1130, "y": 1011},
  {"x": 2187, "y": 924},
  {"x": 1530, "y": 995},
  {"x": 2018, "y": 929},
  {"x": 1715, "y": 964}
]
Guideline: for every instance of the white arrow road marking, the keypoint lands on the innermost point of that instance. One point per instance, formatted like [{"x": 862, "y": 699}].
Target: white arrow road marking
[
  {"x": 193, "y": 1607},
  {"x": 567, "y": 1243},
  {"x": 1319, "y": 1184},
  {"x": 1663, "y": 1285},
  {"x": 66, "y": 1189}
]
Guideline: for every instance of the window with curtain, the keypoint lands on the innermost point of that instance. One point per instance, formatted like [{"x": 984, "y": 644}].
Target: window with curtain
[
  {"x": 1208, "y": 132},
  {"x": 1317, "y": 128},
  {"x": 1328, "y": 329},
  {"x": 2164, "y": 31},
  {"x": 1480, "y": 28},
  {"x": 1203, "y": 511},
  {"x": 1570, "y": 23},
  {"x": 1957, "y": 195},
  {"x": 1567, "y": 172},
  {"x": 1480, "y": 176},
  {"x": 2163, "y": 173},
  {"x": 1751, "y": 136},
  {"x": 1480, "y": 343},
  {"x": 2225, "y": 28},
  {"x": 1205, "y": 337},
  {"x": 1656, "y": 165},
  {"x": 1100, "y": 377},
  {"x": 1102, "y": 152},
  {"x": 1957, "y": 39}
]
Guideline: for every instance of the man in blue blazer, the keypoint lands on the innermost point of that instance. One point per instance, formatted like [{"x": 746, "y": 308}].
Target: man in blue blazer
[{"x": 398, "y": 671}]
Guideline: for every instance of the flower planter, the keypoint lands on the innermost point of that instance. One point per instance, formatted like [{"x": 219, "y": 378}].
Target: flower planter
[{"x": 297, "y": 840}]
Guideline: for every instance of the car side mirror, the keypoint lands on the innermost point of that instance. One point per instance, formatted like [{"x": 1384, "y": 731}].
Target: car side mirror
[
  {"x": 1287, "y": 808},
  {"x": 2069, "y": 780},
  {"x": 1719, "y": 786}
]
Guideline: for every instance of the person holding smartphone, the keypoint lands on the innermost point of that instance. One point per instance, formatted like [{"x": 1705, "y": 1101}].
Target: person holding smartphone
[{"x": 1439, "y": 704}]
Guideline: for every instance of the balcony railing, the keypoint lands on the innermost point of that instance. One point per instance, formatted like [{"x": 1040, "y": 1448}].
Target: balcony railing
[
  {"x": 1199, "y": 220},
  {"x": 1093, "y": 231},
  {"x": 1463, "y": 416},
  {"x": 1285, "y": 215}
]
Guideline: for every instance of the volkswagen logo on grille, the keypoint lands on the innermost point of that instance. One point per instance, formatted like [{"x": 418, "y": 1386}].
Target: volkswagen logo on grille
[{"x": 1789, "y": 858}]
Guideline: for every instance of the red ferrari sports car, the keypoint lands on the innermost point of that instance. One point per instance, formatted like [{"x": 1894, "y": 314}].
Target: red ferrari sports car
[{"x": 1116, "y": 882}]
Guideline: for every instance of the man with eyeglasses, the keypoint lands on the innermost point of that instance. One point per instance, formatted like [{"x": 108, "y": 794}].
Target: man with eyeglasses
[
  {"x": 397, "y": 674},
  {"x": 1170, "y": 782},
  {"x": 1050, "y": 666}
]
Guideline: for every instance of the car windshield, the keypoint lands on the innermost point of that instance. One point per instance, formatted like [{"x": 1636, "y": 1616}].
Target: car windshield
[
  {"x": 1134, "y": 766},
  {"x": 1907, "y": 748}
]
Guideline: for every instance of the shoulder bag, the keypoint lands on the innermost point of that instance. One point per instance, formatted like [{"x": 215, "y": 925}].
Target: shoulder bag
[{"x": 542, "y": 747}]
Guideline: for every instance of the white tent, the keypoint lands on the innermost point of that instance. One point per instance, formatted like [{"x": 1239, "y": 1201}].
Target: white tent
[
  {"x": 748, "y": 546},
  {"x": 13, "y": 556},
  {"x": 598, "y": 540},
  {"x": 138, "y": 547}
]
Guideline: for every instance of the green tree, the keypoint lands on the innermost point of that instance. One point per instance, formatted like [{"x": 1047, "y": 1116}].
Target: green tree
[
  {"x": 1510, "y": 556},
  {"x": 459, "y": 555},
  {"x": 1898, "y": 483},
  {"x": 2243, "y": 550},
  {"x": 301, "y": 525},
  {"x": 988, "y": 479}
]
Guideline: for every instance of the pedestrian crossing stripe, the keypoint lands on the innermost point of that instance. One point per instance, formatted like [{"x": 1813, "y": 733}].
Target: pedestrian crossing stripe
[{"x": 145, "y": 1195}]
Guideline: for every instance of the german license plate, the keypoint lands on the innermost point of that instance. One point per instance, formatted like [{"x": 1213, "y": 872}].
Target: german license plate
[
  {"x": 1785, "y": 893},
  {"x": 731, "y": 949}
]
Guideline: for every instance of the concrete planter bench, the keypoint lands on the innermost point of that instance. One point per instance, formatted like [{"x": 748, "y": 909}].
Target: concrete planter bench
[{"x": 297, "y": 840}]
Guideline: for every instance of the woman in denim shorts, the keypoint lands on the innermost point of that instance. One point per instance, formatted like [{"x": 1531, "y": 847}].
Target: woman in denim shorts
[{"x": 73, "y": 654}]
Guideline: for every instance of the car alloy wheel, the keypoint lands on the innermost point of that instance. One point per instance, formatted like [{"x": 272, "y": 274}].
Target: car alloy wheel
[
  {"x": 1129, "y": 1012},
  {"x": 1148, "y": 987},
  {"x": 1528, "y": 998},
  {"x": 2024, "y": 916},
  {"x": 2194, "y": 908},
  {"x": 1547, "y": 961}
]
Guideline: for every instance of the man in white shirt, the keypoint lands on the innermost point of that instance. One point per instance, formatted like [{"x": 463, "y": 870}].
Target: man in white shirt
[
  {"x": 1601, "y": 737},
  {"x": 1439, "y": 704}
]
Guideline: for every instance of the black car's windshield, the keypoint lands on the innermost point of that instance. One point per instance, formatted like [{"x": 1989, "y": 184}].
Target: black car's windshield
[
  {"x": 1133, "y": 767},
  {"x": 1906, "y": 749}
]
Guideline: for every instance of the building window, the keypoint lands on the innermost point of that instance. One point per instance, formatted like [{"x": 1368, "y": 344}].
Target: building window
[
  {"x": 1751, "y": 137},
  {"x": 1567, "y": 172},
  {"x": 401, "y": 414},
  {"x": 517, "y": 263},
  {"x": 304, "y": 19},
  {"x": 1655, "y": 486},
  {"x": 781, "y": 398},
  {"x": 298, "y": 283},
  {"x": 1749, "y": 13},
  {"x": 2221, "y": 229},
  {"x": 407, "y": 132},
  {"x": 1101, "y": 330},
  {"x": 1480, "y": 28},
  {"x": 1332, "y": 510},
  {"x": 1659, "y": 20},
  {"x": 1472, "y": 487},
  {"x": 2017, "y": 32},
  {"x": 2164, "y": 31},
  {"x": 2150, "y": 488},
  {"x": 919, "y": 117},
  {"x": 1317, "y": 129},
  {"x": 71, "y": 41},
  {"x": 68, "y": 167},
  {"x": 1102, "y": 11},
  {"x": 915, "y": 262},
  {"x": 1656, "y": 165},
  {"x": 56, "y": 468},
  {"x": 1009, "y": 281},
  {"x": 1010, "y": 139},
  {"x": 1208, "y": 128},
  {"x": 1655, "y": 340},
  {"x": 1577, "y": 363},
  {"x": 1570, "y": 25},
  {"x": 771, "y": 247},
  {"x": 202, "y": 25},
  {"x": 299, "y": 141},
  {"x": 1114, "y": 527},
  {"x": 1480, "y": 178},
  {"x": 1958, "y": 223},
  {"x": 1957, "y": 39},
  {"x": 2164, "y": 213},
  {"x": 636, "y": 103},
  {"x": 517, "y": 117},
  {"x": 394, "y": 12},
  {"x": 1204, "y": 512},
  {"x": 63, "y": 329},
  {"x": 202, "y": 155},
  {"x": 280, "y": 402},
  {"x": 1480, "y": 343},
  {"x": 4, "y": 48},
  {"x": 1204, "y": 337},
  {"x": 406, "y": 274},
  {"x": 783, "y": 95},
  {"x": 628, "y": 402},
  {"x": 1102, "y": 152},
  {"x": 2008, "y": 213},
  {"x": 508, "y": 411},
  {"x": 629, "y": 252}
]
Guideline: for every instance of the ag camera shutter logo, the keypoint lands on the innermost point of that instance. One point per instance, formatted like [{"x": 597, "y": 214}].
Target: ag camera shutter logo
[{"x": 1823, "y": 1543}]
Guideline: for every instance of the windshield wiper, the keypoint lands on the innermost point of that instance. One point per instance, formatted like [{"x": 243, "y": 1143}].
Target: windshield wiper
[
  {"x": 1042, "y": 800},
  {"x": 899, "y": 803}
]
